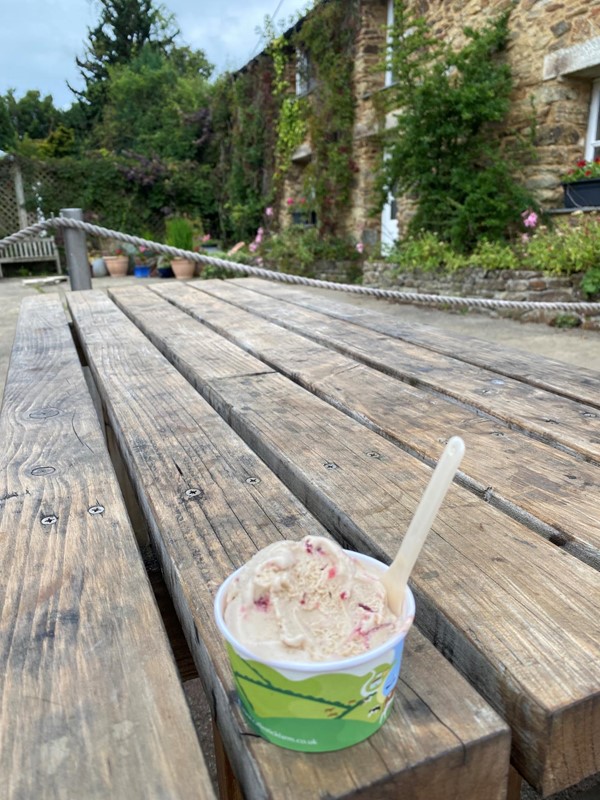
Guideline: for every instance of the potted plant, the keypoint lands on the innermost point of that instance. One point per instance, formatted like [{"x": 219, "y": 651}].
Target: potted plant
[
  {"x": 180, "y": 234},
  {"x": 97, "y": 264},
  {"x": 116, "y": 260},
  {"x": 581, "y": 185},
  {"x": 143, "y": 262}
]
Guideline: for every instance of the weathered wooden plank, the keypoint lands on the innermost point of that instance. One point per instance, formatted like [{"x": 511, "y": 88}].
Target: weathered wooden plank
[
  {"x": 91, "y": 704},
  {"x": 577, "y": 383},
  {"x": 526, "y": 478},
  {"x": 516, "y": 614},
  {"x": 441, "y": 739},
  {"x": 558, "y": 420}
]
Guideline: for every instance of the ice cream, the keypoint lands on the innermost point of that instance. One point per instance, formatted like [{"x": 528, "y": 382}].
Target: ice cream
[{"x": 308, "y": 601}]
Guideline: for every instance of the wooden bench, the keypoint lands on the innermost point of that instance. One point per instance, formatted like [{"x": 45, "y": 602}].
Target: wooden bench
[
  {"x": 508, "y": 581},
  {"x": 92, "y": 706},
  {"x": 31, "y": 250},
  {"x": 210, "y": 502}
]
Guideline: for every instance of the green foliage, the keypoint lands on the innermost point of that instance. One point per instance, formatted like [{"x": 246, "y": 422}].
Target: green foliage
[
  {"x": 59, "y": 142},
  {"x": 29, "y": 117},
  {"x": 444, "y": 150},
  {"x": 426, "y": 252},
  {"x": 290, "y": 124},
  {"x": 125, "y": 27},
  {"x": 323, "y": 48},
  {"x": 328, "y": 37},
  {"x": 563, "y": 249},
  {"x": 179, "y": 233},
  {"x": 494, "y": 255},
  {"x": 297, "y": 248},
  {"x": 127, "y": 193},
  {"x": 566, "y": 321},
  {"x": 152, "y": 105},
  {"x": 243, "y": 111},
  {"x": 590, "y": 283}
]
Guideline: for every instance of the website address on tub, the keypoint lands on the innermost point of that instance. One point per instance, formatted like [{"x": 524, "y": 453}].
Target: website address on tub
[{"x": 282, "y": 736}]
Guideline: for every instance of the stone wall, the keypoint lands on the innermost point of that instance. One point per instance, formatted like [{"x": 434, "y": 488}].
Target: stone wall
[{"x": 523, "y": 285}]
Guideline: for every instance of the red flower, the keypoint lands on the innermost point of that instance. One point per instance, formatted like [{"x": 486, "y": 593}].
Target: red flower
[
  {"x": 587, "y": 173},
  {"x": 581, "y": 163}
]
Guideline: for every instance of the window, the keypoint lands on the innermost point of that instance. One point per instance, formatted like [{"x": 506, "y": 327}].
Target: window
[
  {"x": 305, "y": 77},
  {"x": 389, "y": 78},
  {"x": 592, "y": 142}
]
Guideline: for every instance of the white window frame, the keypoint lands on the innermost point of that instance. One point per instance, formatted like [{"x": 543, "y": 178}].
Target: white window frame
[
  {"x": 388, "y": 81},
  {"x": 592, "y": 143},
  {"x": 305, "y": 80}
]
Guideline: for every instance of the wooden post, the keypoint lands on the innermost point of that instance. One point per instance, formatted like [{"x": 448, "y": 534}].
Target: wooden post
[
  {"x": 76, "y": 251},
  {"x": 20, "y": 196}
]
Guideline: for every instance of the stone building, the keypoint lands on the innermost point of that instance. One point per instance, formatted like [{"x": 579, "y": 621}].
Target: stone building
[{"x": 554, "y": 55}]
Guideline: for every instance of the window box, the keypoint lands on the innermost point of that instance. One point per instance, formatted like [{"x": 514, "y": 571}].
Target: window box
[{"x": 582, "y": 193}]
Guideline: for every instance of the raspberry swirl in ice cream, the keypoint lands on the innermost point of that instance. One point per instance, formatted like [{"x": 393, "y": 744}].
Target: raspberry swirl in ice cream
[{"x": 308, "y": 601}]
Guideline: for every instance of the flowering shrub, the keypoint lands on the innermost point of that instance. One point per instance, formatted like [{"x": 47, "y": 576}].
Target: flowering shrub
[
  {"x": 297, "y": 248},
  {"x": 582, "y": 170},
  {"x": 569, "y": 246}
]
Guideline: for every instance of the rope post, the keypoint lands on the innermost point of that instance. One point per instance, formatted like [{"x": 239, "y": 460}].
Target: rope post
[{"x": 76, "y": 252}]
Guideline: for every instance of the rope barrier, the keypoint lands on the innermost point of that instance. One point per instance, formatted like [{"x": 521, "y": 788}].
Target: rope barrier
[{"x": 283, "y": 277}]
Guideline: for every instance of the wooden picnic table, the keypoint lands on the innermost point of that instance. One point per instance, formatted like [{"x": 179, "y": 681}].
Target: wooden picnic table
[{"x": 246, "y": 412}]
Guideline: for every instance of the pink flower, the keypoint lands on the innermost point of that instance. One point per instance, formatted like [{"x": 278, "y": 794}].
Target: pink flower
[
  {"x": 258, "y": 239},
  {"x": 530, "y": 219},
  {"x": 260, "y": 231},
  {"x": 525, "y": 238},
  {"x": 360, "y": 247},
  {"x": 206, "y": 237},
  {"x": 260, "y": 261},
  {"x": 252, "y": 247},
  {"x": 269, "y": 212},
  {"x": 290, "y": 201}
]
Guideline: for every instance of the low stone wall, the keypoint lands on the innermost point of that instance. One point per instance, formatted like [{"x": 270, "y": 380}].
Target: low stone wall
[{"x": 525, "y": 285}]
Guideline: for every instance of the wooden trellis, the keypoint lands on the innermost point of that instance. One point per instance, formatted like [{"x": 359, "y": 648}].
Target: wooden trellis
[{"x": 16, "y": 193}]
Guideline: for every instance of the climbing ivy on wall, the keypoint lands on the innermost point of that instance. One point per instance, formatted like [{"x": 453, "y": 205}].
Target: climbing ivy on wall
[
  {"x": 259, "y": 121},
  {"x": 291, "y": 117},
  {"x": 243, "y": 123},
  {"x": 328, "y": 37}
]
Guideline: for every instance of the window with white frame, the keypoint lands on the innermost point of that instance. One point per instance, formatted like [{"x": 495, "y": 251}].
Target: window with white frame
[
  {"x": 592, "y": 142},
  {"x": 389, "y": 78},
  {"x": 305, "y": 74}
]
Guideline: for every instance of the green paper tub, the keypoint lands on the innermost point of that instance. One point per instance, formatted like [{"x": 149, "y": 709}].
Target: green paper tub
[{"x": 321, "y": 706}]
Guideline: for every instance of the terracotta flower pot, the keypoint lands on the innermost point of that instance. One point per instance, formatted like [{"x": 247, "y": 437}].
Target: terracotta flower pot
[
  {"x": 117, "y": 265},
  {"x": 183, "y": 268}
]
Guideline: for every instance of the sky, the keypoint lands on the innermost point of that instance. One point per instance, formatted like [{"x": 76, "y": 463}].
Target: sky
[{"x": 40, "y": 39}]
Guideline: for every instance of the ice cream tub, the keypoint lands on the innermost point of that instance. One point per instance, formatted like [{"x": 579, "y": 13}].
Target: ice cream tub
[{"x": 318, "y": 706}]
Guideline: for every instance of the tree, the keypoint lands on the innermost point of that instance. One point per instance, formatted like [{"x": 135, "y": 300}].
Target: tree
[
  {"x": 449, "y": 149},
  {"x": 156, "y": 105},
  {"x": 30, "y": 117},
  {"x": 124, "y": 29}
]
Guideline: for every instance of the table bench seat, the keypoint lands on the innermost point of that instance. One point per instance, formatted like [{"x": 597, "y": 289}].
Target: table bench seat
[
  {"x": 210, "y": 502},
  {"x": 92, "y": 706}
]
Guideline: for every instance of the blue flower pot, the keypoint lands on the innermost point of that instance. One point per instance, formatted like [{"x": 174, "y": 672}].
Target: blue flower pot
[{"x": 142, "y": 271}]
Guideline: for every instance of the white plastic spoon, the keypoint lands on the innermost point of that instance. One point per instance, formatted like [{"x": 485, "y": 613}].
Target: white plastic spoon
[{"x": 396, "y": 577}]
